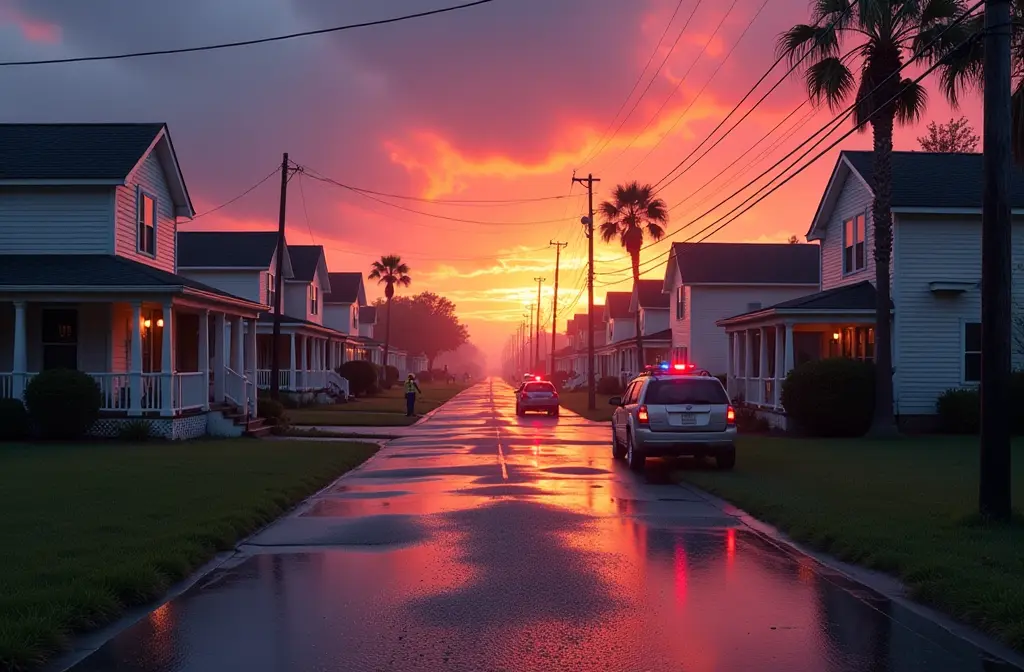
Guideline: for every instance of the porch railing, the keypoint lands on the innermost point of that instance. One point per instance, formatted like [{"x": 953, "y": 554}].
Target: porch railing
[
  {"x": 190, "y": 391},
  {"x": 235, "y": 387},
  {"x": 263, "y": 378},
  {"x": 293, "y": 380}
]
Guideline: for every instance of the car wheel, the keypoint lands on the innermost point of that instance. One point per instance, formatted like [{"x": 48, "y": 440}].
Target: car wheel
[
  {"x": 554, "y": 413},
  {"x": 634, "y": 459},
  {"x": 618, "y": 451},
  {"x": 726, "y": 459}
]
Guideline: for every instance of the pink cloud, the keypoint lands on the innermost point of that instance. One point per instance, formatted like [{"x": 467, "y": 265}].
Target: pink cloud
[{"x": 34, "y": 30}]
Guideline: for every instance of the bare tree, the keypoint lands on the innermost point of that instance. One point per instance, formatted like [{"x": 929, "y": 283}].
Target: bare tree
[
  {"x": 955, "y": 136},
  {"x": 793, "y": 240}
]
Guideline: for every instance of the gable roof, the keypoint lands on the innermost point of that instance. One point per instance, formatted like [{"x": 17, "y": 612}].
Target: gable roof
[
  {"x": 306, "y": 259},
  {"x": 80, "y": 154},
  {"x": 229, "y": 249},
  {"x": 856, "y": 298},
  {"x": 345, "y": 288},
  {"x": 744, "y": 264},
  {"x": 651, "y": 294},
  {"x": 616, "y": 305},
  {"x": 920, "y": 181},
  {"x": 367, "y": 315}
]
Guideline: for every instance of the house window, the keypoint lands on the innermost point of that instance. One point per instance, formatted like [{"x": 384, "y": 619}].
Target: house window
[
  {"x": 972, "y": 352},
  {"x": 854, "y": 247},
  {"x": 680, "y": 303},
  {"x": 147, "y": 223},
  {"x": 314, "y": 300},
  {"x": 271, "y": 291},
  {"x": 355, "y": 317},
  {"x": 60, "y": 338}
]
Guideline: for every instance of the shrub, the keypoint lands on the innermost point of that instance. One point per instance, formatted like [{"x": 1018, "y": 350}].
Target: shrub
[
  {"x": 390, "y": 376},
  {"x": 270, "y": 410},
  {"x": 724, "y": 379},
  {"x": 559, "y": 379},
  {"x": 361, "y": 376},
  {"x": 749, "y": 422},
  {"x": 425, "y": 377},
  {"x": 831, "y": 397},
  {"x": 959, "y": 411},
  {"x": 1017, "y": 402},
  {"x": 609, "y": 385},
  {"x": 63, "y": 404},
  {"x": 13, "y": 420},
  {"x": 136, "y": 431}
]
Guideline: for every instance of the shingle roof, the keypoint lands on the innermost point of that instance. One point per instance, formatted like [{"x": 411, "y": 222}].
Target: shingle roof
[
  {"x": 305, "y": 259},
  {"x": 344, "y": 287},
  {"x": 859, "y": 296},
  {"x": 226, "y": 249},
  {"x": 91, "y": 270},
  {"x": 616, "y": 304},
  {"x": 73, "y": 151},
  {"x": 268, "y": 318},
  {"x": 747, "y": 263},
  {"x": 651, "y": 294},
  {"x": 936, "y": 179},
  {"x": 367, "y": 315}
]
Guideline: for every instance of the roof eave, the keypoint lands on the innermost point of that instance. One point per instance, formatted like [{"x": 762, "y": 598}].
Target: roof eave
[
  {"x": 113, "y": 182},
  {"x": 830, "y": 197},
  {"x": 162, "y": 147}
]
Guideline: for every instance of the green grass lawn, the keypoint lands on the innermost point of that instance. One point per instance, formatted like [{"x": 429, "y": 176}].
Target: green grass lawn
[
  {"x": 91, "y": 529},
  {"x": 577, "y": 403},
  {"x": 907, "y": 507},
  {"x": 386, "y": 409}
]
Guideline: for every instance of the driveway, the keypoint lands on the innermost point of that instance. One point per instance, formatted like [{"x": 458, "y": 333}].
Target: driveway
[{"x": 486, "y": 542}]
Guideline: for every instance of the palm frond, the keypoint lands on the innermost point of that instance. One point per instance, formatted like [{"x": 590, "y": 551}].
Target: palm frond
[
  {"x": 1017, "y": 121},
  {"x": 804, "y": 40},
  {"x": 835, "y": 13},
  {"x": 829, "y": 80},
  {"x": 941, "y": 11},
  {"x": 609, "y": 230},
  {"x": 910, "y": 102},
  {"x": 655, "y": 231}
]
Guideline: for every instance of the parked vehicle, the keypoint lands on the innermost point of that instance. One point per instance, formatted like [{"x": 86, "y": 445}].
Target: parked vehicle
[
  {"x": 674, "y": 412},
  {"x": 537, "y": 396}
]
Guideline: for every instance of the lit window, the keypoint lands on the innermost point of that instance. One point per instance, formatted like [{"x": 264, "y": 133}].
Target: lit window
[
  {"x": 854, "y": 244},
  {"x": 680, "y": 303},
  {"x": 972, "y": 352},
  {"x": 147, "y": 223}
]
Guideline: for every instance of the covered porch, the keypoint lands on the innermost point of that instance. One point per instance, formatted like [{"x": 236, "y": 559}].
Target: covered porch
[
  {"x": 308, "y": 354},
  {"x": 766, "y": 344},
  {"x": 620, "y": 358}
]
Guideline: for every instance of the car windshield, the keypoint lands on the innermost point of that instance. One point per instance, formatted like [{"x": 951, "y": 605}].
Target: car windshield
[
  {"x": 540, "y": 387},
  {"x": 686, "y": 391}
]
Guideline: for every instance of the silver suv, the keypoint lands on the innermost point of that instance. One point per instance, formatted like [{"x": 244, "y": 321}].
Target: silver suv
[{"x": 668, "y": 414}]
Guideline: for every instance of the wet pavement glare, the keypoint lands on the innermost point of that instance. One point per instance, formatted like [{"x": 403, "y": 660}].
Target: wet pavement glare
[{"x": 490, "y": 542}]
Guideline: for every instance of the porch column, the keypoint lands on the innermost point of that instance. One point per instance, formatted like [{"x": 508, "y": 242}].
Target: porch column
[
  {"x": 737, "y": 355},
  {"x": 748, "y": 363},
  {"x": 291, "y": 362},
  {"x": 764, "y": 364},
  {"x": 789, "y": 347},
  {"x": 237, "y": 346},
  {"x": 304, "y": 365},
  {"x": 219, "y": 360},
  {"x": 780, "y": 363},
  {"x": 250, "y": 344},
  {"x": 167, "y": 363},
  {"x": 135, "y": 370},
  {"x": 20, "y": 350},
  {"x": 204, "y": 355},
  {"x": 730, "y": 373}
]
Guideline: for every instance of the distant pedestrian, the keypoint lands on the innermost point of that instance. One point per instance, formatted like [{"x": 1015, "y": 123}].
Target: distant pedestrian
[{"x": 411, "y": 388}]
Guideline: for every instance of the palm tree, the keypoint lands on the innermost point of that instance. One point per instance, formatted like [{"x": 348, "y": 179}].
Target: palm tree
[
  {"x": 389, "y": 271},
  {"x": 886, "y": 32},
  {"x": 634, "y": 212}
]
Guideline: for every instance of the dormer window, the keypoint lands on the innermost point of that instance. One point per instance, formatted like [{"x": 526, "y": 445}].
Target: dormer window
[
  {"x": 355, "y": 318},
  {"x": 271, "y": 291},
  {"x": 146, "y": 216},
  {"x": 854, "y": 244},
  {"x": 314, "y": 300}
]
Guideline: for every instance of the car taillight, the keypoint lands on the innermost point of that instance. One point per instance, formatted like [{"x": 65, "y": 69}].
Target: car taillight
[
  {"x": 641, "y": 415},
  {"x": 730, "y": 416}
]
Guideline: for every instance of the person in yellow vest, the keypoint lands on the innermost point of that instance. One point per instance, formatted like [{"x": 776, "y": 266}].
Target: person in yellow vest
[{"x": 411, "y": 388}]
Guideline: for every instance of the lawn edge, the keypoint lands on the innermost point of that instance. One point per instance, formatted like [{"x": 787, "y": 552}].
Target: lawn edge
[
  {"x": 82, "y": 645},
  {"x": 889, "y": 586}
]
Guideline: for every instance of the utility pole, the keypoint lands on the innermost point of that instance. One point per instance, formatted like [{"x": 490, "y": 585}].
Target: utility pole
[
  {"x": 529, "y": 343},
  {"x": 536, "y": 344},
  {"x": 994, "y": 486},
  {"x": 588, "y": 222},
  {"x": 554, "y": 302},
  {"x": 275, "y": 355},
  {"x": 523, "y": 346}
]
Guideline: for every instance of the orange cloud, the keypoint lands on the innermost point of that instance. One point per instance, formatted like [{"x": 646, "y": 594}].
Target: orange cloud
[{"x": 30, "y": 28}]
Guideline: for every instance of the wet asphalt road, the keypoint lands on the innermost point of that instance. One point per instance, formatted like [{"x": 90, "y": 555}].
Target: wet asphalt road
[{"x": 490, "y": 542}]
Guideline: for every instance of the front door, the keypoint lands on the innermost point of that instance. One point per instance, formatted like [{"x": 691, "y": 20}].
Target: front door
[{"x": 60, "y": 338}]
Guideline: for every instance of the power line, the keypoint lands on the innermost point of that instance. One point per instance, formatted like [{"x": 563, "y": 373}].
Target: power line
[
  {"x": 245, "y": 43},
  {"x": 591, "y": 154},
  {"x": 240, "y": 196},
  {"x": 443, "y": 201}
]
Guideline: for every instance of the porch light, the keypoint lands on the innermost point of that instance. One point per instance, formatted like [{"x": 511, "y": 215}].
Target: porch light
[
  {"x": 160, "y": 322},
  {"x": 835, "y": 336},
  {"x": 146, "y": 323}
]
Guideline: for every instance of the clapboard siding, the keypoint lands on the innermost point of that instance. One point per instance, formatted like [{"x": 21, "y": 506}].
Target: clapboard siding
[
  {"x": 149, "y": 176},
  {"x": 653, "y": 320},
  {"x": 56, "y": 220},
  {"x": 709, "y": 344},
  {"x": 680, "y": 327},
  {"x": 855, "y": 198},
  {"x": 928, "y": 327},
  {"x": 244, "y": 284}
]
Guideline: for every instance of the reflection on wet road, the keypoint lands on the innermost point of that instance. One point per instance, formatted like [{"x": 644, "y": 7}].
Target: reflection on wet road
[{"x": 491, "y": 542}]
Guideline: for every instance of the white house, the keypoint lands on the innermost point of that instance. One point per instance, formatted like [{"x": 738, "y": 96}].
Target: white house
[
  {"x": 619, "y": 327},
  {"x": 89, "y": 279},
  {"x": 708, "y": 282},
  {"x": 245, "y": 262},
  {"x": 936, "y": 271},
  {"x": 345, "y": 307}
]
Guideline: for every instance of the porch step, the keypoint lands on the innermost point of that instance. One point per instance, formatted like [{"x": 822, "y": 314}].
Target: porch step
[{"x": 257, "y": 428}]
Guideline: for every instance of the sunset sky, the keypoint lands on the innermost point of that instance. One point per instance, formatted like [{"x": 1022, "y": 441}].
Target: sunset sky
[{"x": 498, "y": 102}]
